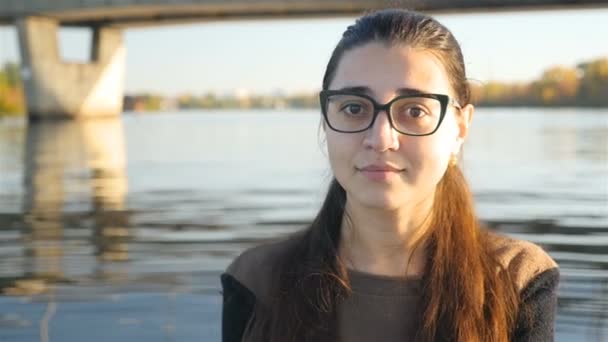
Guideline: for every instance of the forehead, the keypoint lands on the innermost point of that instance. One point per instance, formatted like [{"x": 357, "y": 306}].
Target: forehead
[{"x": 384, "y": 69}]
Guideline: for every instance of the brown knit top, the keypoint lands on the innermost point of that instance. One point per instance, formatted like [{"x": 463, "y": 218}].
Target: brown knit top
[{"x": 383, "y": 308}]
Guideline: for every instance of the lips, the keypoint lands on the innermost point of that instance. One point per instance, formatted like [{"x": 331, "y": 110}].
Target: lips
[
  {"x": 380, "y": 172},
  {"x": 380, "y": 168}
]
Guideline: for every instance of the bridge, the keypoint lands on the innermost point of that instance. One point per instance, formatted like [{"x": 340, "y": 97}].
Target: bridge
[{"x": 94, "y": 89}]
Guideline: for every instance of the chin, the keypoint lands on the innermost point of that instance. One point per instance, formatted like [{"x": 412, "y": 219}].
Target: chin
[{"x": 384, "y": 201}]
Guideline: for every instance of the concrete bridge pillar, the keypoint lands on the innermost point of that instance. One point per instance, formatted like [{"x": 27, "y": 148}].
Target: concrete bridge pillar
[{"x": 70, "y": 90}]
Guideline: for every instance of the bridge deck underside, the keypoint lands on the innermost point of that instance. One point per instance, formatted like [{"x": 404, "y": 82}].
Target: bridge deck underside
[{"x": 153, "y": 12}]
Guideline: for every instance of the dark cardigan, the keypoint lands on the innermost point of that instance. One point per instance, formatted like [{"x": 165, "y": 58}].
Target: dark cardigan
[{"x": 534, "y": 272}]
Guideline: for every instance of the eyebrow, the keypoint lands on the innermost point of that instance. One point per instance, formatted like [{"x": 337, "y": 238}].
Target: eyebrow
[{"x": 368, "y": 91}]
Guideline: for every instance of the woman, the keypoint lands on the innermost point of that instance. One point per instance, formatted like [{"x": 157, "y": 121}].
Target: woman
[{"x": 396, "y": 252}]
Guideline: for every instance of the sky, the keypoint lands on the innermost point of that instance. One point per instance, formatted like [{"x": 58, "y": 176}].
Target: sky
[{"x": 268, "y": 56}]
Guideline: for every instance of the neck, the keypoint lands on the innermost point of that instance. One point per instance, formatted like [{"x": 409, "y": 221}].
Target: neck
[{"x": 382, "y": 242}]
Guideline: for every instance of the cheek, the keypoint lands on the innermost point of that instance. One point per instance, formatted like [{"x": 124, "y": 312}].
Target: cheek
[
  {"x": 444, "y": 142},
  {"x": 427, "y": 156},
  {"x": 341, "y": 151}
]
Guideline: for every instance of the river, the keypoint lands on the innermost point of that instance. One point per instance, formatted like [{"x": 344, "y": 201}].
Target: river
[{"x": 119, "y": 229}]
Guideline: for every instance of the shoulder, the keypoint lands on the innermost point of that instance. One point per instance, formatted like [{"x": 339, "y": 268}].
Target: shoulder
[
  {"x": 526, "y": 262},
  {"x": 254, "y": 267},
  {"x": 536, "y": 276}
]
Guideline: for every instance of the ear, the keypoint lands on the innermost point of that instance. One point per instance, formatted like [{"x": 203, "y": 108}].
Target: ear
[{"x": 464, "y": 120}]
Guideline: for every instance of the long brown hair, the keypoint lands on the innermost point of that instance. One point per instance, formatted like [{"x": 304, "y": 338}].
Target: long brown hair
[{"x": 466, "y": 294}]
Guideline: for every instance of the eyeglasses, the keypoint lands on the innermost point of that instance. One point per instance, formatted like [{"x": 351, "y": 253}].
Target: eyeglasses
[{"x": 414, "y": 114}]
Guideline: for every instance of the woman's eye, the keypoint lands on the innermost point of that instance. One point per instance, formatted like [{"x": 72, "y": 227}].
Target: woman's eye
[
  {"x": 415, "y": 112},
  {"x": 353, "y": 108}
]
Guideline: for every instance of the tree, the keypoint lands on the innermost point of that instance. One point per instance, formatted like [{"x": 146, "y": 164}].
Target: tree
[
  {"x": 557, "y": 86},
  {"x": 11, "y": 93},
  {"x": 13, "y": 78},
  {"x": 593, "y": 88}
]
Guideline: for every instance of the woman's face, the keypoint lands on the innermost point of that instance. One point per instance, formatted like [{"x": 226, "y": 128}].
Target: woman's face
[{"x": 381, "y": 167}]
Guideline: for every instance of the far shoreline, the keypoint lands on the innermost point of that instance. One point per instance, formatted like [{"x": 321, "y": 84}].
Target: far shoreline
[{"x": 262, "y": 110}]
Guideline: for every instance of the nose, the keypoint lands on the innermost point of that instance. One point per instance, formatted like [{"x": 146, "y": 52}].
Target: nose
[{"x": 381, "y": 136}]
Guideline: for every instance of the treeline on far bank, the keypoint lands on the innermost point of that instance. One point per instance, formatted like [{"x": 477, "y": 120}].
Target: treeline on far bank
[
  {"x": 585, "y": 85},
  {"x": 11, "y": 91},
  {"x": 153, "y": 102}
]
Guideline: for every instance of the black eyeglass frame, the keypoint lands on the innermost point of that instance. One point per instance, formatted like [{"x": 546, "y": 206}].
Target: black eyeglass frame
[{"x": 444, "y": 101}]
